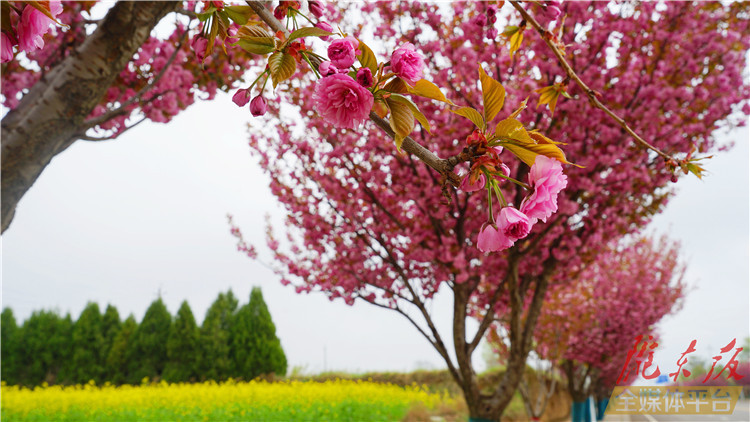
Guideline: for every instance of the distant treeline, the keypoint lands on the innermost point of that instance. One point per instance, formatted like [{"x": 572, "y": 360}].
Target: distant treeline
[{"x": 232, "y": 342}]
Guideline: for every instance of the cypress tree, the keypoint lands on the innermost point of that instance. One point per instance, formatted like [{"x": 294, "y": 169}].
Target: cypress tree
[
  {"x": 255, "y": 349},
  {"x": 110, "y": 327},
  {"x": 45, "y": 345},
  {"x": 87, "y": 359},
  {"x": 9, "y": 347},
  {"x": 148, "y": 350},
  {"x": 119, "y": 354},
  {"x": 183, "y": 347},
  {"x": 216, "y": 363}
]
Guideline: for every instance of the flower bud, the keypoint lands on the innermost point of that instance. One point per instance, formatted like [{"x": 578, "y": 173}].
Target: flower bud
[
  {"x": 241, "y": 97},
  {"x": 258, "y": 106},
  {"x": 326, "y": 27},
  {"x": 364, "y": 77},
  {"x": 200, "y": 44},
  {"x": 279, "y": 12},
  {"x": 480, "y": 20},
  {"x": 316, "y": 8}
]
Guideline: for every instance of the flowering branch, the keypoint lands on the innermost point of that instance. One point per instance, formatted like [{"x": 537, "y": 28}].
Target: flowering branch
[
  {"x": 590, "y": 93},
  {"x": 442, "y": 166}
]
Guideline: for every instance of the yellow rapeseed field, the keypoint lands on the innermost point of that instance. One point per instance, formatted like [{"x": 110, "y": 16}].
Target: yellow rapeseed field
[{"x": 337, "y": 400}]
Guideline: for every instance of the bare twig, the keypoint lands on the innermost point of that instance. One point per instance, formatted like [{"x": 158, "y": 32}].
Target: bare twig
[
  {"x": 85, "y": 137},
  {"x": 590, "y": 93}
]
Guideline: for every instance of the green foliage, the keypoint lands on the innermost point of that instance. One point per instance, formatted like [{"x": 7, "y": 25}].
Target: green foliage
[
  {"x": 87, "y": 358},
  {"x": 214, "y": 338},
  {"x": 9, "y": 342},
  {"x": 119, "y": 354},
  {"x": 101, "y": 347},
  {"x": 255, "y": 349},
  {"x": 148, "y": 350},
  {"x": 44, "y": 345},
  {"x": 183, "y": 347},
  {"x": 110, "y": 327}
]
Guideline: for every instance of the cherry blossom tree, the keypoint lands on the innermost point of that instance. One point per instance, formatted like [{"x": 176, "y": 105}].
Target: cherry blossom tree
[
  {"x": 366, "y": 223},
  {"x": 589, "y": 324}
]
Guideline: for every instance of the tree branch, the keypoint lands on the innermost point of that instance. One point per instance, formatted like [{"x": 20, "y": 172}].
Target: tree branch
[
  {"x": 590, "y": 93},
  {"x": 489, "y": 316},
  {"x": 85, "y": 137}
]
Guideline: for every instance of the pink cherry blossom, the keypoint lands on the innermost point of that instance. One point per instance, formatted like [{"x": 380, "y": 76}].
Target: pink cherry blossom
[
  {"x": 34, "y": 24},
  {"x": 6, "y": 48},
  {"x": 343, "y": 52},
  {"x": 407, "y": 63},
  {"x": 491, "y": 239},
  {"x": 513, "y": 223},
  {"x": 547, "y": 179},
  {"x": 327, "y": 68},
  {"x": 467, "y": 185},
  {"x": 342, "y": 101}
]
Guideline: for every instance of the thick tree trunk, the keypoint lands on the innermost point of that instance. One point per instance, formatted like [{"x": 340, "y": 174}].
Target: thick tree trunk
[{"x": 50, "y": 116}]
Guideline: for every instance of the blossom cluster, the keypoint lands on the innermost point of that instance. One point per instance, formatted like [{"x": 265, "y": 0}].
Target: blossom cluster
[
  {"x": 297, "y": 49},
  {"x": 28, "y": 25},
  {"x": 510, "y": 224},
  {"x": 345, "y": 101}
]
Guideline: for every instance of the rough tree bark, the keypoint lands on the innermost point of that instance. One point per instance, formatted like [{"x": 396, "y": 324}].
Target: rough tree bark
[{"x": 48, "y": 119}]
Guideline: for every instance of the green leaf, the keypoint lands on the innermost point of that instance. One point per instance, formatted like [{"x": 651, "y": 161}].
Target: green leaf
[
  {"x": 541, "y": 139},
  {"x": 528, "y": 152},
  {"x": 515, "y": 42},
  {"x": 253, "y": 31},
  {"x": 550, "y": 94},
  {"x": 239, "y": 14},
  {"x": 367, "y": 58},
  {"x": 213, "y": 32},
  {"x": 697, "y": 170},
  {"x": 509, "y": 30},
  {"x": 396, "y": 85},
  {"x": 203, "y": 16},
  {"x": 520, "y": 108},
  {"x": 427, "y": 89},
  {"x": 414, "y": 109},
  {"x": 472, "y": 115},
  {"x": 401, "y": 120},
  {"x": 512, "y": 129},
  {"x": 282, "y": 67},
  {"x": 257, "y": 45},
  {"x": 309, "y": 31},
  {"x": 493, "y": 95}
]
